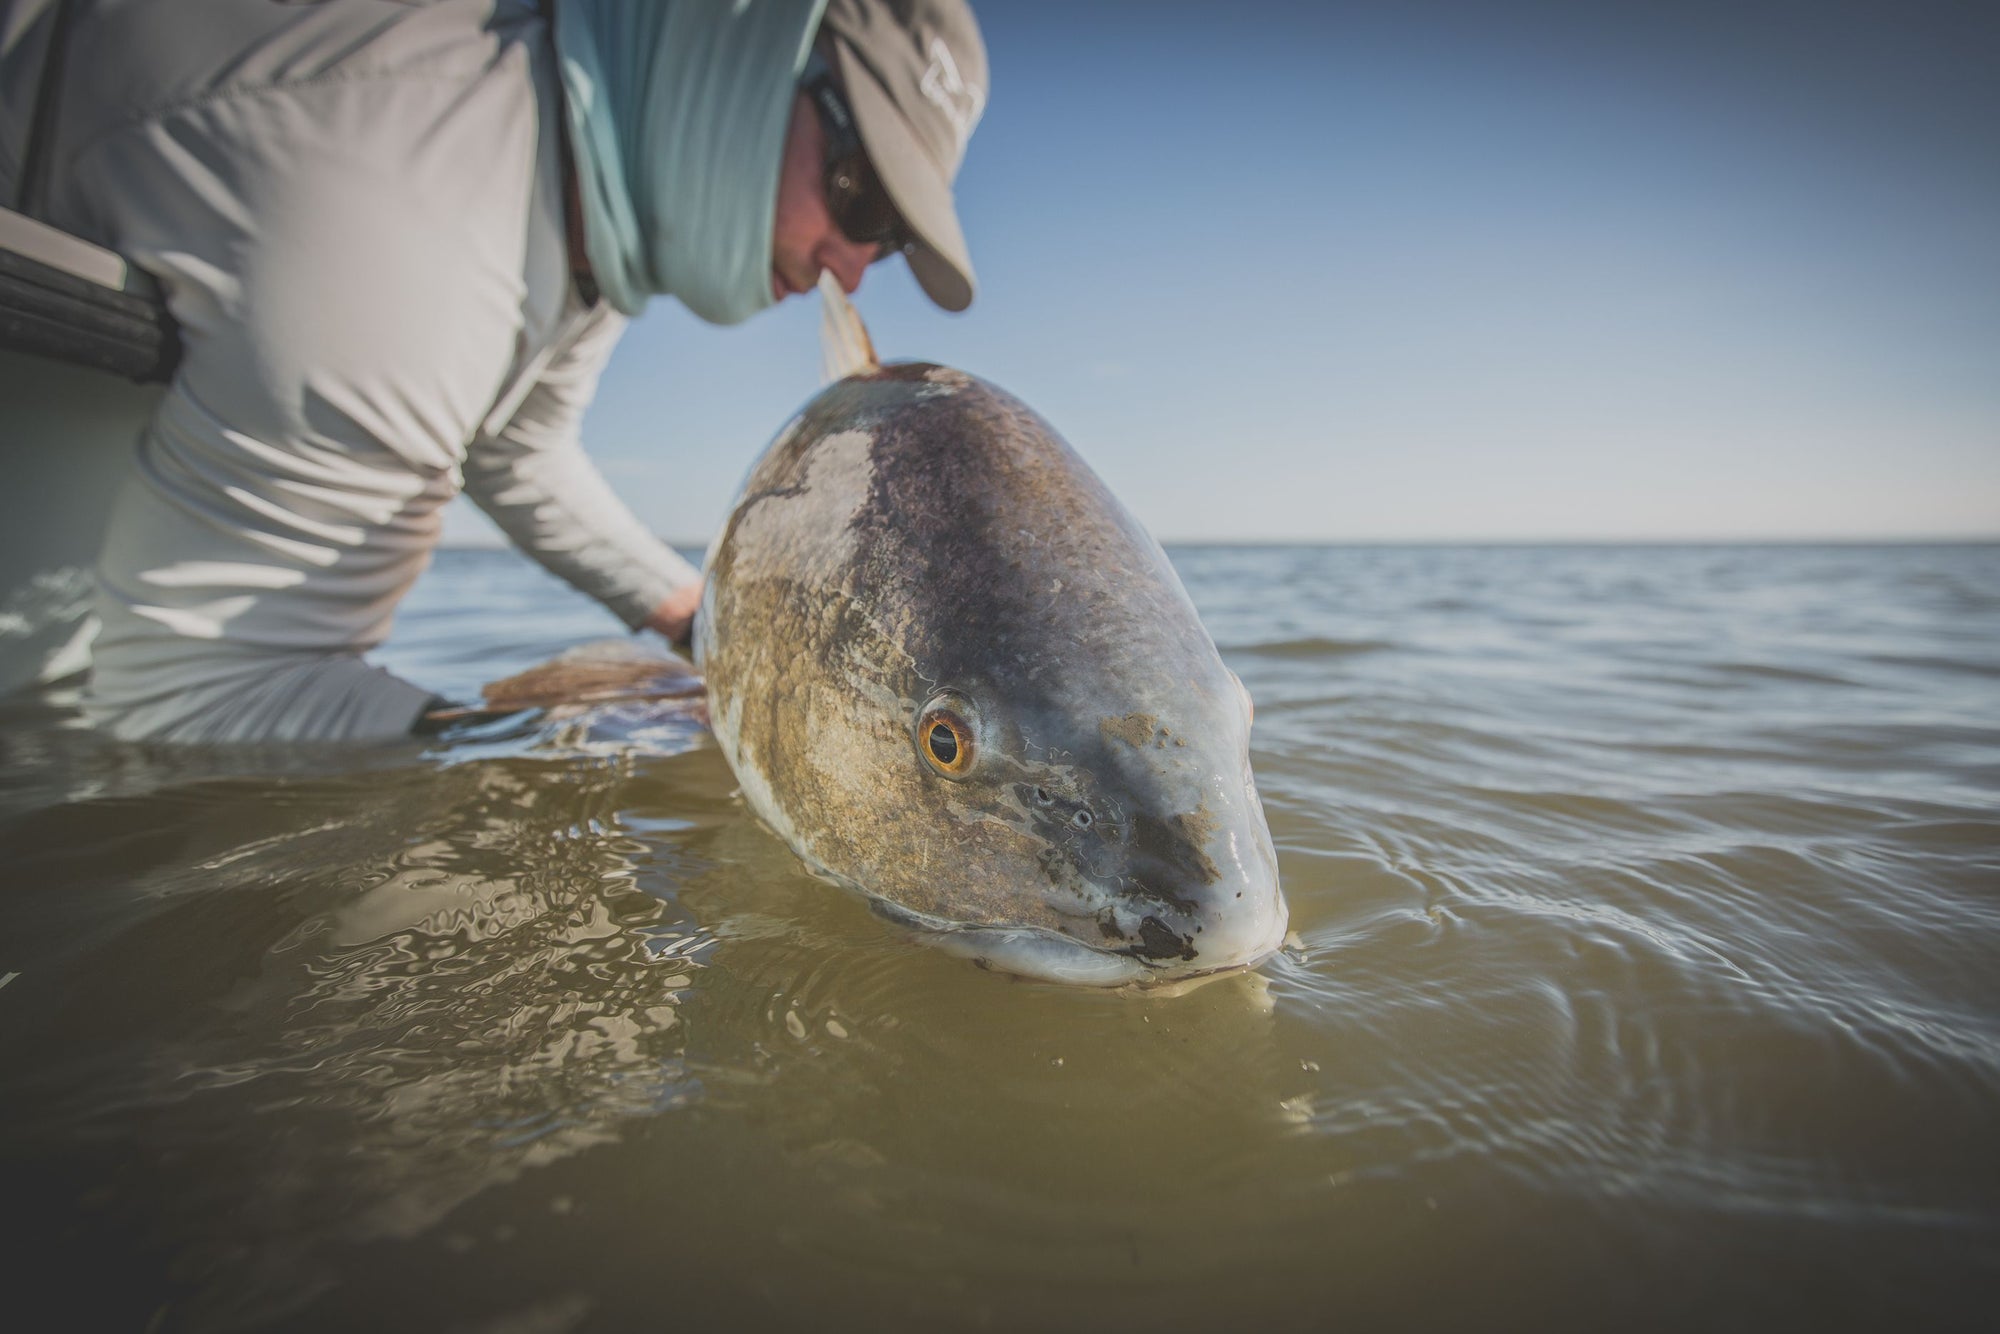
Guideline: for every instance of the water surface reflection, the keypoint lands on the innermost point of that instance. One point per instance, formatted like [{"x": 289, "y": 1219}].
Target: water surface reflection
[{"x": 1645, "y": 977}]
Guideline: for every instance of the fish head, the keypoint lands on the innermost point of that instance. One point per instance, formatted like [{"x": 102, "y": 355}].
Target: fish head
[
  {"x": 953, "y": 673},
  {"x": 1100, "y": 828}
]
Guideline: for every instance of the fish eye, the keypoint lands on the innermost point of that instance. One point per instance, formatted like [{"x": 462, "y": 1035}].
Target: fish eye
[
  {"x": 1042, "y": 797},
  {"x": 944, "y": 745},
  {"x": 1082, "y": 819},
  {"x": 945, "y": 736}
]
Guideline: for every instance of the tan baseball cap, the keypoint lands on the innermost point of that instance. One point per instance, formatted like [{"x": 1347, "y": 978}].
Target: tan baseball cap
[{"x": 915, "y": 73}]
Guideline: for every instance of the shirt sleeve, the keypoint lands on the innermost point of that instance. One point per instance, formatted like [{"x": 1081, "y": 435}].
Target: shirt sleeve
[{"x": 533, "y": 478}]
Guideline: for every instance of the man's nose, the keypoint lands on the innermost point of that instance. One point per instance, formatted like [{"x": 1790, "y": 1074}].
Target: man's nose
[{"x": 848, "y": 261}]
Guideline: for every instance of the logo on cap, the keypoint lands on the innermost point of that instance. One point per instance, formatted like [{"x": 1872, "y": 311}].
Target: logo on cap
[{"x": 960, "y": 101}]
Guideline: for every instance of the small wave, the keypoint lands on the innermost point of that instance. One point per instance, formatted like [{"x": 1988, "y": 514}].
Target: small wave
[
  {"x": 1933, "y": 663},
  {"x": 1314, "y": 646},
  {"x": 1767, "y": 671}
]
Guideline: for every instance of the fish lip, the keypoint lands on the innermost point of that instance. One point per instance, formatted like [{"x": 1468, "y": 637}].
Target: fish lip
[
  {"x": 1166, "y": 975},
  {"x": 1004, "y": 948},
  {"x": 1123, "y": 968}
]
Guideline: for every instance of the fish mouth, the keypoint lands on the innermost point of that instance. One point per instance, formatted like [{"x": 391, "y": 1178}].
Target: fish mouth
[{"x": 1047, "y": 955}]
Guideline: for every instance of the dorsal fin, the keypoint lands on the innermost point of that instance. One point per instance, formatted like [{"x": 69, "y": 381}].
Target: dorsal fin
[{"x": 844, "y": 345}]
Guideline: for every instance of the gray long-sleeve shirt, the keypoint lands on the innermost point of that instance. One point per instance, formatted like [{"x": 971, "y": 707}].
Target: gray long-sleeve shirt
[{"x": 355, "y": 209}]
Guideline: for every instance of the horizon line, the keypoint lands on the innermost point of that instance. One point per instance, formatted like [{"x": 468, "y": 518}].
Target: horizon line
[{"x": 1911, "y": 540}]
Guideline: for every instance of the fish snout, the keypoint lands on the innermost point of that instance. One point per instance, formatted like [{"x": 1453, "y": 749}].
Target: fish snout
[{"x": 1201, "y": 898}]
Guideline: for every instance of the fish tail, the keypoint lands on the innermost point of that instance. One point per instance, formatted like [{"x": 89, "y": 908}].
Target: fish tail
[{"x": 844, "y": 346}]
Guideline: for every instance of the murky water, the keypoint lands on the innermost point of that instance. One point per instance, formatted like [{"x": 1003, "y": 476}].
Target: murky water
[{"x": 1649, "y": 908}]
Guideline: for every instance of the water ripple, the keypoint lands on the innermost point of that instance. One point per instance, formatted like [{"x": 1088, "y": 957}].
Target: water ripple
[{"x": 1644, "y": 918}]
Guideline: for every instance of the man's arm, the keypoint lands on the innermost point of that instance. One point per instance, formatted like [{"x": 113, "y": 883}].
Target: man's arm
[{"x": 533, "y": 478}]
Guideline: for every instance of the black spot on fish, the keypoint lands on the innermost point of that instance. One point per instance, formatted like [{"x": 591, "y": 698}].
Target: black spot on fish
[{"x": 1158, "y": 941}]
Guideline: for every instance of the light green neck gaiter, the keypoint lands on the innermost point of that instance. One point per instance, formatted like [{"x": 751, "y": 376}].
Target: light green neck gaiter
[{"x": 677, "y": 112}]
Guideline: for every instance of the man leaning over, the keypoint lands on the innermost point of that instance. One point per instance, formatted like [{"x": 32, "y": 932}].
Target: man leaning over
[{"x": 401, "y": 242}]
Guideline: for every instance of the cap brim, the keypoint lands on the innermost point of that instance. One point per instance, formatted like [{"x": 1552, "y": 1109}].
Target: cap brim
[{"x": 915, "y": 184}]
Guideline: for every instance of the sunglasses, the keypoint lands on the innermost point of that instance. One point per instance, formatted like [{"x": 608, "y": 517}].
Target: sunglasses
[{"x": 855, "y": 198}]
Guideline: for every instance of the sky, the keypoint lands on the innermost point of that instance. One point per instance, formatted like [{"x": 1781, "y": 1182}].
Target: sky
[{"x": 1440, "y": 272}]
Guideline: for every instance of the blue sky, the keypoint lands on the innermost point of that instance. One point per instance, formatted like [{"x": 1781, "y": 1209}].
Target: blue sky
[{"x": 1442, "y": 272}]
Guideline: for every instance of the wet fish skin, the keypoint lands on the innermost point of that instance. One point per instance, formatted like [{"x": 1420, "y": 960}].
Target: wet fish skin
[{"x": 917, "y": 535}]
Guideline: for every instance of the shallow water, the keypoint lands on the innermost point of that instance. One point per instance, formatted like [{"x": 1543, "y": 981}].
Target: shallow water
[{"x": 1648, "y": 976}]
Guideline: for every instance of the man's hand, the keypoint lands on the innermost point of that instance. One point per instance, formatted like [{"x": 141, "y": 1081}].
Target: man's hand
[{"x": 674, "y": 617}]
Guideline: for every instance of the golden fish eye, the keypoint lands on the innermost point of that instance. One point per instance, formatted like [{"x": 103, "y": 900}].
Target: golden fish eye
[{"x": 946, "y": 742}]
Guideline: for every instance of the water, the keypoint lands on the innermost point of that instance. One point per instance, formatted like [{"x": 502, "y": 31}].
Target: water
[{"x": 1648, "y": 976}]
